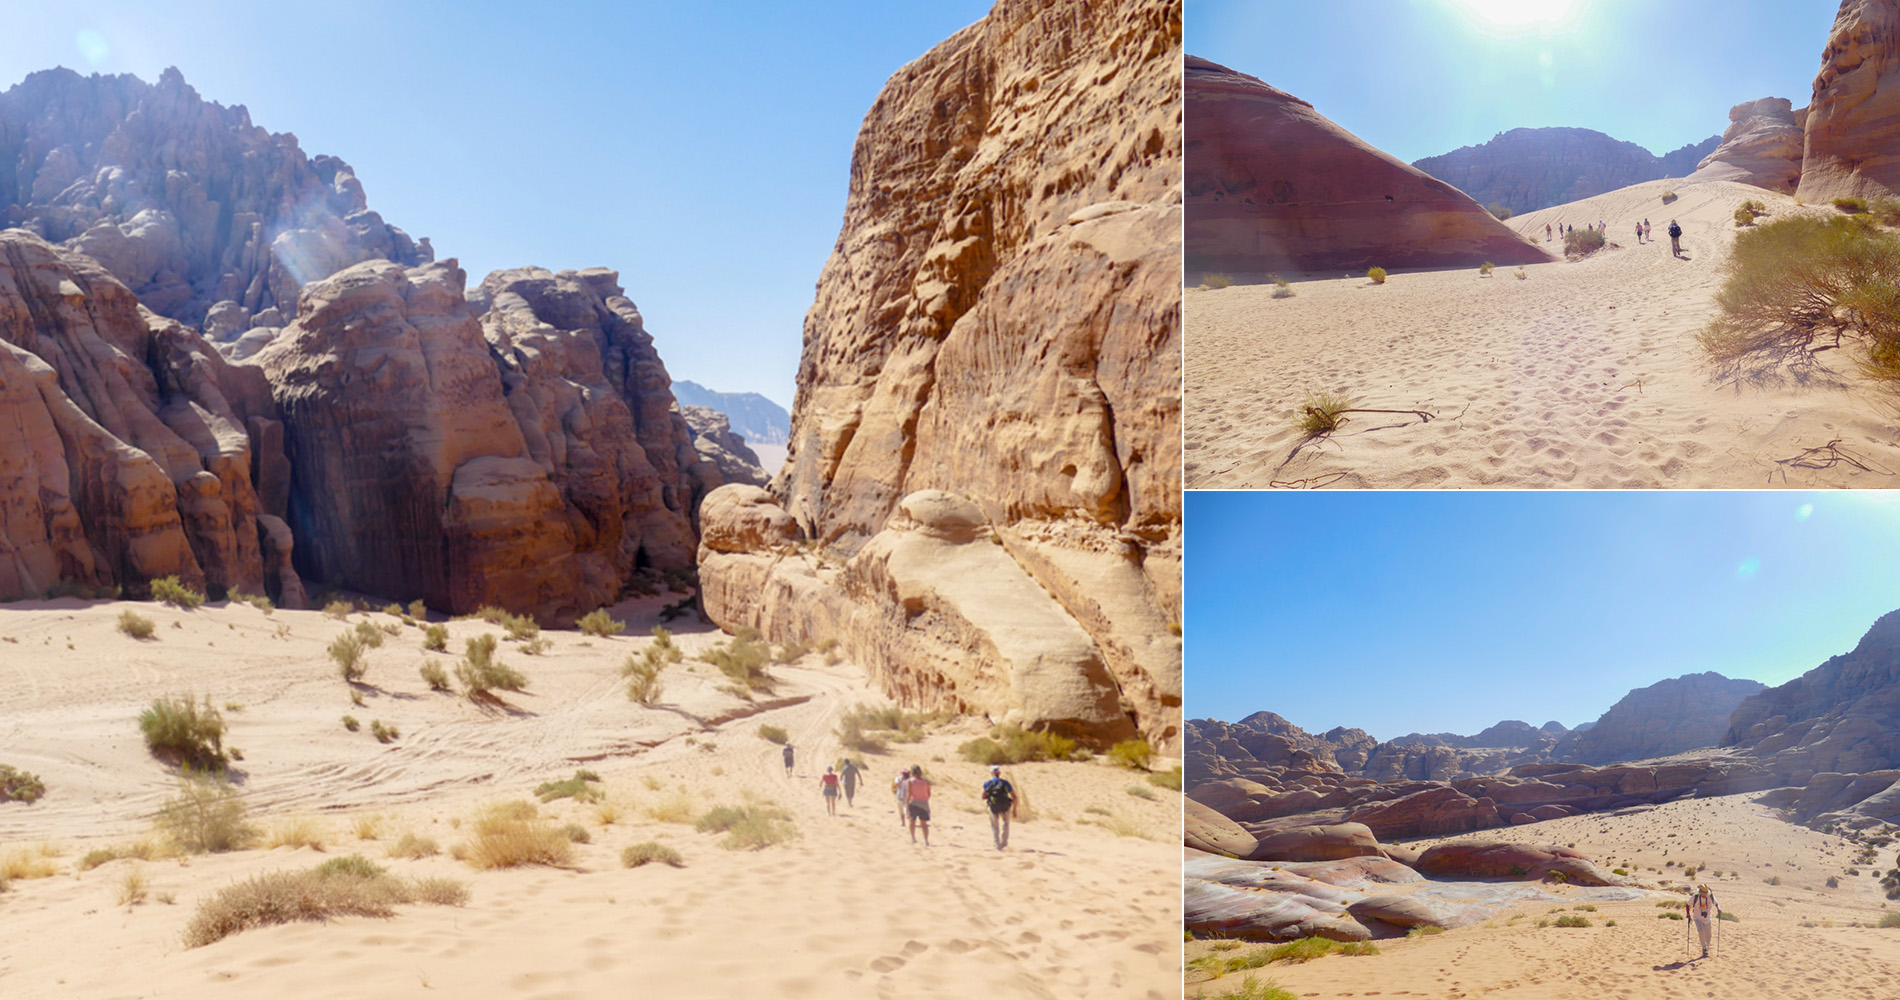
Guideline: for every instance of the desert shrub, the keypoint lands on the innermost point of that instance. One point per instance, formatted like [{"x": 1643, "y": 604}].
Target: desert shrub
[
  {"x": 413, "y": 846},
  {"x": 348, "y": 651},
  {"x": 749, "y": 827},
  {"x": 535, "y": 646},
  {"x": 418, "y": 609},
  {"x": 575, "y": 788},
  {"x": 520, "y": 627},
  {"x": 1486, "y": 268},
  {"x": 136, "y": 625},
  {"x": 142, "y": 850},
  {"x": 649, "y": 852},
  {"x": 1744, "y": 217},
  {"x": 1583, "y": 241},
  {"x": 435, "y": 638},
  {"x": 350, "y": 723},
  {"x": 434, "y": 676},
  {"x": 337, "y": 887},
  {"x": 1170, "y": 779},
  {"x": 383, "y": 734},
  {"x": 480, "y": 673},
  {"x": 295, "y": 832},
  {"x": 513, "y": 834},
  {"x": 1281, "y": 289},
  {"x": 339, "y": 609},
  {"x": 599, "y": 622},
  {"x": 1572, "y": 921},
  {"x": 190, "y": 732},
  {"x": 1520, "y": 274},
  {"x": 642, "y": 673},
  {"x": 1011, "y": 744},
  {"x": 1376, "y": 275},
  {"x": 1754, "y": 205},
  {"x": 773, "y": 734},
  {"x": 1253, "y": 988},
  {"x": 1141, "y": 792},
  {"x": 167, "y": 590},
  {"x": 1668, "y": 197},
  {"x": 1424, "y": 930},
  {"x": 790, "y": 651},
  {"x": 1320, "y": 412},
  {"x": 371, "y": 636},
  {"x": 1133, "y": 754},
  {"x": 1774, "y": 880},
  {"x": 1889, "y": 920},
  {"x": 1795, "y": 280},
  {"x": 257, "y": 601},
  {"x": 1216, "y": 280},
  {"x": 19, "y": 786},
  {"x": 206, "y": 816},
  {"x": 1852, "y": 206},
  {"x": 1498, "y": 210},
  {"x": 743, "y": 660},
  {"x": 1833, "y": 882}
]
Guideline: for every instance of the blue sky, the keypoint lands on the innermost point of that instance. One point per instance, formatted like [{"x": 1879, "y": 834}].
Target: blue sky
[
  {"x": 702, "y": 150},
  {"x": 1406, "y": 612},
  {"x": 1417, "y": 78}
]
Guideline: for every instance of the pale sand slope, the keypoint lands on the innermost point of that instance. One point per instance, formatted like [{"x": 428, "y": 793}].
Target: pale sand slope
[
  {"x": 849, "y": 909},
  {"x": 1767, "y": 953},
  {"x": 1583, "y": 374}
]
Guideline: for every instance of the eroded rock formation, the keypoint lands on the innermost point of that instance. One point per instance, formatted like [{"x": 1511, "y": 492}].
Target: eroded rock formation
[
  {"x": 1667, "y": 717},
  {"x": 715, "y": 442},
  {"x": 1762, "y": 146},
  {"x": 985, "y": 447},
  {"x": 1526, "y": 169},
  {"x": 1842, "y": 716},
  {"x": 1273, "y": 185},
  {"x": 1855, "y": 114}
]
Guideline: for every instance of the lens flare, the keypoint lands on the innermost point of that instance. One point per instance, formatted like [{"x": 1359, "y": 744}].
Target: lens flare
[
  {"x": 1749, "y": 567},
  {"x": 1804, "y": 512},
  {"x": 92, "y": 46}
]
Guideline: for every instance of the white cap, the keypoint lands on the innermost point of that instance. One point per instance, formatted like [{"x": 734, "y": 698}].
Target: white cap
[{"x": 996, "y": 769}]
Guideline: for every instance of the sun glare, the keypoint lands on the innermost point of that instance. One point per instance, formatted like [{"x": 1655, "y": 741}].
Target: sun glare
[{"x": 1516, "y": 14}]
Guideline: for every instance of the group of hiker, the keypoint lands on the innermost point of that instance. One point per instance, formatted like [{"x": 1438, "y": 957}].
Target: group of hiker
[
  {"x": 912, "y": 791},
  {"x": 1642, "y": 233}
]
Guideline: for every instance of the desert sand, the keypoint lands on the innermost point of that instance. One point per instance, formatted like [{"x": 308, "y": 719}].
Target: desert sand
[
  {"x": 1086, "y": 902},
  {"x": 1798, "y": 939},
  {"x": 1584, "y": 374}
]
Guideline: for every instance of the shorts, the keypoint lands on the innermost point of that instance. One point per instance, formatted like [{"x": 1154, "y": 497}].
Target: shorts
[
  {"x": 920, "y": 810},
  {"x": 1001, "y": 810},
  {"x": 831, "y": 791}
]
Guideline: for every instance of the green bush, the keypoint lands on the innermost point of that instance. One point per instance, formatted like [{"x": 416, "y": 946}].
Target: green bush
[
  {"x": 434, "y": 676},
  {"x": 1498, "y": 210},
  {"x": 1579, "y": 242},
  {"x": 1216, "y": 280},
  {"x": 749, "y": 827},
  {"x": 1281, "y": 289},
  {"x": 1320, "y": 413},
  {"x": 649, "y": 852},
  {"x": 339, "y": 609},
  {"x": 1486, "y": 268},
  {"x": 576, "y": 788},
  {"x": 1169, "y": 779},
  {"x": 167, "y": 590},
  {"x": 480, "y": 673},
  {"x": 19, "y": 786},
  {"x": 350, "y": 723},
  {"x": 1852, "y": 206},
  {"x": 1668, "y": 197},
  {"x": 1744, "y": 217},
  {"x": 136, "y": 625},
  {"x": 773, "y": 734},
  {"x": 348, "y": 651},
  {"x": 599, "y": 623},
  {"x": 642, "y": 673},
  {"x": 191, "y": 732},
  {"x": 1890, "y": 920},
  {"x": 520, "y": 627},
  {"x": 435, "y": 638},
  {"x": 206, "y": 816},
  {"x": 257, "y": 601},
  {"x": 1011, "y": 744},
  {"x": 371, "y": 635},
  {"x": 1376, "y": 275},
  {"x": 1520, "y": 274},
  {"x": 1573, "y": 921},
  {"x": 743, "y": 660},
  {"x": 337, "y": 887},
  {"x": 419, "y": 609},
  {"x": 383, "y": 734},
  {"x": 1132, "y": 754}
]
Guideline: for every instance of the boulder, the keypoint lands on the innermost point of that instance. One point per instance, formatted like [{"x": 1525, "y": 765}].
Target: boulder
[
  {"x": 1511, "y": 861},
  {"x": 1205, "y": 829},
  {"x": 1762, "y": 146},
  {"x": 1317, "y": 843}
]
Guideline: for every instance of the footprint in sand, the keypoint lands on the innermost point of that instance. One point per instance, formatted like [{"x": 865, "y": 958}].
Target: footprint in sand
[{"x": 887, "y": 963}]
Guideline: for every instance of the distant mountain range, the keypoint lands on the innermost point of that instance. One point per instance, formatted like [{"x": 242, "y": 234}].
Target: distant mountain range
[
  {"x": 753, "y": 417},
  {"x": 1526, "y": 169}
]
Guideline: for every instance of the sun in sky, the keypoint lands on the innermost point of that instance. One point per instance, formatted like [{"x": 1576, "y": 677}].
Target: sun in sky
[{"x": 1515, "y": 15}]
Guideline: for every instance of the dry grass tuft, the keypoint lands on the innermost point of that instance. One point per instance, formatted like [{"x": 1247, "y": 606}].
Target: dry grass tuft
[
  {"x": 748, "y": 827},
  {"x": 296, "y": 831},
  {"x": 206, "y": 816},
  {"x": 651, "y": 851},
  {"x": 136, "y": 625},
  {"x": 339, "y": 887},
  {"x": 676, "y": 808},
  {"x": 512, "y": 834},
  {"x": 413, "y": 846}
]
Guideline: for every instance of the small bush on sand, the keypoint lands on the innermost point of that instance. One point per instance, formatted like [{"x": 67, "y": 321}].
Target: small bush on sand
[
  {"x": 419, "y": 609},
  {"x": 142, "y": 850},
  {"x": 167, "y": 590},
  {"x": 1519, "y": 273},
  {"x": 743, "y": 659},
  {"x": 1486, "y": 268},
  {"x": 1498, "y": 210},
  {"x": 642, "y": 673},
  {"x": 413, "y": 846},
  {"x": 1281, "y": 289},
  {"x": 576, "y": 788},
  {"x": 1852, "y": 206},
  {"x": 136, "y": 625},
  {"x": 1424, "y": 930},
  {"x": 649, "y": 852},
  {"x": 773, "y": 734},
  {"x": 480, "y": 673},
  {"x": 599, "y": 623},
  {"x": 748, "y": 827},
  {"x": 19, "y": 786},
  {"x": 189, "y": 732},
  {"x": 295, "y": 832},
  {"x": 1169, "y": 780},
  {"x": 1730, "y": 917},
  {"x": 1319, "y": 413},
  {"x": 434, "y": 676},
  {"x": 257, "y": 601},
  {"x": 1132, "y": 754},
  {"x": 1668, "y": 197},
  {"x": 1744, "y": 217},
  {"x": 384, "y": 733},
  {"x": 350, "y": 723},
  {"x": 26, "y": 863},
  {"x": 1795, "y": 281},
  {"x": 1216, "y": 280},
  {"x": 1579, "y": 242},
  {"x": 1572, "y": 920},
  {"x": 1890, "y": 920},
  {"x": 1754, "y": 205},
  {"x": 351, "y": 886},
  {"x": 675, "y": 808},
  {"x": 1011, "y": 744},
  {"x": 206, "y": 816},
  {"x": 371, "y": 636},
  {"x": 435, "y": 638},
  {"x": 513, "y": 834},
  {"x": 348, "y": 651},
  {"x": 1833, "y": 882},
  {"x": 339, "y": 609},
  {"x": 1376, "y": 275}
]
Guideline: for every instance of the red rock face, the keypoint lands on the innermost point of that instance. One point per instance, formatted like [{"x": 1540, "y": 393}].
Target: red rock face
[
  {"x": 1273, "y": 185},
  {"x": 1854, "y": 119}
]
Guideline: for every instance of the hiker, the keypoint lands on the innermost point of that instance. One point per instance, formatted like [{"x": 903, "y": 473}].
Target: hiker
[
  {"x": 1675, "y": 239},
  {"x": 1000, "y": 796},
  {"x": 1703, "y": 911},
  {"x": 788, "y": 760},
  {"x": 828, "y": 783},
  {"x": 917, "y": 803},
  {"x": 849, "y": 776},
  {"x": 1546, "y": 232},
  {"x": 1639, "y": 232},
  {"x": 900, "y": 788}
]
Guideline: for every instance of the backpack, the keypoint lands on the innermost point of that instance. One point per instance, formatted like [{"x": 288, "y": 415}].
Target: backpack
[
  {"x": 1675, "y": 230},
  {"x": 998, "y": 795}
]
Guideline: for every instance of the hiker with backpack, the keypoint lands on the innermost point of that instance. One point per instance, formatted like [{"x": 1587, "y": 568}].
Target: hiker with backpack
[
  {"x": 1000, "y": 796},
  {"x": 1675, "y": 239},
  {"x": 788, "y": 760},
  {"x": 1702, "y": 910}
]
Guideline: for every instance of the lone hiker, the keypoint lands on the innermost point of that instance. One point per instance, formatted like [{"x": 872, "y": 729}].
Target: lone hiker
[
  {"x": 1703, "y": 911},
  {"x": 1546, "y": 232},
  {"x": 849, "y": 775},
  {"x": 828, "y": 783},
  {"x": 1000, "y": 796},
  {"x": 788, "y": 760},
  {"x": 1675, "y": 239},
  {"x": 917, "y": 803}
]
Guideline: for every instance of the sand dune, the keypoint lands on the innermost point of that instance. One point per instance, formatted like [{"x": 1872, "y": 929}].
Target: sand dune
[
  {"x": 1582, "y": 375},
  {"x": 1791, "y": 940},
  {"x": 850, "y": 908}
]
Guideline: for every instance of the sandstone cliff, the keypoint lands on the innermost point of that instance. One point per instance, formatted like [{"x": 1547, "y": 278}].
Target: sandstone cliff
[
  {"x": 1762, "y": 146},
  {"x": 1842, "y": 716},
  {"x": 715, "y": 442},
  {"x": 1273, "y": 185},
  {"x": 1667, "y": 717},
  {"x": 1855, "y": 114},
  {"x": 1526, "y": 169},
  {"x": 185, "y": 201},
  {"x": 985, "y": 446}
]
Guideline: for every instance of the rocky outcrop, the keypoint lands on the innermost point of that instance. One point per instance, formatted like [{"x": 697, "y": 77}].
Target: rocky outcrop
[
  {"x": 715, "y": 442},
  {"x": 1000, "y": 318},
  {"x": 528, "y": 459},
  {"x": 1667, "y": 717},
  {"x": 1842, "y": 716},
  {"x": 1274, "y": 185},
  {"x": 754, "y": 417},
  {"x": 184, "y": 201},
  {"x": 1205, "y": 829},
  {"x": 1855, "y": 114},
  {"x": 129, "y": 449},
  {"x": 1317, "y": 843},
  {"x": 1762, "y": 146},
  {"x": 1519, "y": 861},
  {"x": 1526, "y": 169}
]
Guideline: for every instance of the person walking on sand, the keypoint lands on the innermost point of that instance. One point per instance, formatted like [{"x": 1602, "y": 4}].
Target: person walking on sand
[
  {"x": 788, "y": 760},
  {"x": 1546, "y": 232},
  {"x": 1000, "y": 796},
  {"x": 917, "y": 803},
  {"x": 828, "y": 784},
  {"x": 900, "y": 788},
  {"x": 1675, "y": 239},
  {"x": 1639, "y": 232},
  {"x": 1703, "y": 911},
  {"x": 849, "y": 776}
]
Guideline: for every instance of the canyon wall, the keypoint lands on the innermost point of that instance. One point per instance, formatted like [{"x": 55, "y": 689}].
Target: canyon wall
[{"x": 1526, "y": 169}]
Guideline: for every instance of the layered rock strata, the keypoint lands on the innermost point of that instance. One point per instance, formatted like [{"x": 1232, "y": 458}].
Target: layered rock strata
[
  {"x": 1274, "y": 185},
  {"x": 1762, "y": 146},
  {"x": 1842, "y": 716},
  {"x": 1855, "y": 113},
  {"x": 985, "y": 447},
  {"x": 1526, "y": 169}
]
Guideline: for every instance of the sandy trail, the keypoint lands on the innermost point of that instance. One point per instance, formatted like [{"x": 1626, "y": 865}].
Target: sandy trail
[
  {"x": 1583, "y": 374},
  {"x": 850, "y": 908},
  {"x": 1792, "y": 939}
]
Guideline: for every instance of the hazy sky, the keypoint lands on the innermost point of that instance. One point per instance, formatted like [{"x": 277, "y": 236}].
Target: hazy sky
[
  {"x": 1417, "y": 78},
  {"x": 1446, "y": 612},
  {"x": 702, "y": 150}
]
